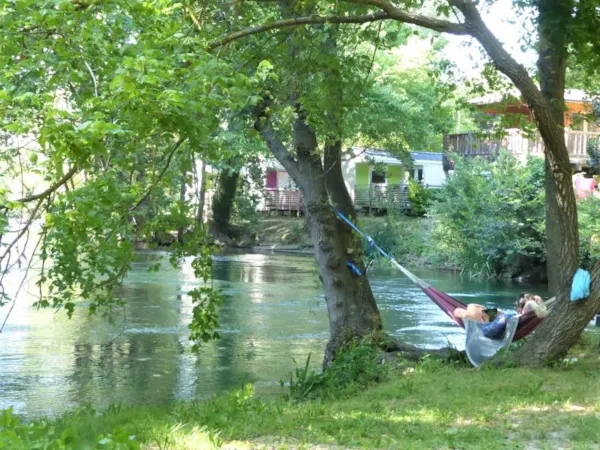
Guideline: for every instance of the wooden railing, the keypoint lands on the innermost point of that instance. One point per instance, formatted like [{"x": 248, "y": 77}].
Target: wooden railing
[
  {"x": 283, "y": 200},
  {"x": 380, "y": 196},
  {"x": 469, "y": 144}
]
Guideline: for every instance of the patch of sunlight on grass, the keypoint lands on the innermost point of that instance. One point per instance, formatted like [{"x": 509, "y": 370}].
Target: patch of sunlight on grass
[
  {"x": 566, "y": 407},
  {"x": 182, "y": 437}
]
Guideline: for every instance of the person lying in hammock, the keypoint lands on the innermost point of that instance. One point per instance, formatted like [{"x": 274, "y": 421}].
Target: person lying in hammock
[{"x": 494, "y": 319}]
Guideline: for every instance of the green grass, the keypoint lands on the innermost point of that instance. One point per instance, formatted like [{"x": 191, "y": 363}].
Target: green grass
[{"x": 428, "y": 405}]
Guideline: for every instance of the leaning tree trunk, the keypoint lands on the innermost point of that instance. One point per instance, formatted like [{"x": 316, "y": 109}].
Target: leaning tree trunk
[
  {"x": 351, "y": 307},
  {"x": 564, "y": 325},
  {"x": 566, "y": 322}
]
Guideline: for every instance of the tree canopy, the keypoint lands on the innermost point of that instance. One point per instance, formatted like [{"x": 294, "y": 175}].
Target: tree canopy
[{"x": 107, "y": 105}]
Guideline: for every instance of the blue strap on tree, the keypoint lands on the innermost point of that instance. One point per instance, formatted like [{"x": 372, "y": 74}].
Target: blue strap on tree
[
  {"x": 372, "y": 246},
  {"x": 368, "y": 238},
  {"x": 354, "y": 268}
]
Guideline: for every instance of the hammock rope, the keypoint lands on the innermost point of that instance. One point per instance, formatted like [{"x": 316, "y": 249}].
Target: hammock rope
[{"x": 527, "y": 322}]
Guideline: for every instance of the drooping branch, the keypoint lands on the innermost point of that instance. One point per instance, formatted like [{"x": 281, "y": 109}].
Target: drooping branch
[
  {"x": 388, "y": 12},
  {"x": 52, "y": 188},
  {"x": 24, "y": 229},
  {"x": 160, "y": 175}
]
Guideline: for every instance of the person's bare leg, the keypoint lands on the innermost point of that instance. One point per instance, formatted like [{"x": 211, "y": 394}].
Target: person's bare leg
[{"x": 472, "y": 312}]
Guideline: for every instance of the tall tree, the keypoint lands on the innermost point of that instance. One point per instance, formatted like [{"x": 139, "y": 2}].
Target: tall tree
[
  {"x": 564, "y": 27},
  {"x": 323, "y": 88}
]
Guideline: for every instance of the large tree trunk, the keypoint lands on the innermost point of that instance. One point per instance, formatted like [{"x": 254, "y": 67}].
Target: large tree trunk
[
  {"x": 224, "y": 197},
  {"x": 351, "y": 307},
  {"x": 564, "y": 325}
]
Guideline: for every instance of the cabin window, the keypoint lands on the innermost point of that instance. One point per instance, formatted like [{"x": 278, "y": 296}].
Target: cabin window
[
  {"x": 377, "y": 178},
  {"x": 416, "y": 174}
]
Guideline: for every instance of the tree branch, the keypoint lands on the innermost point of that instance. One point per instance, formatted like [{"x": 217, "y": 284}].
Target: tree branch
[
  {"x": 160, "y": 175},
  {"x": 494, "y": 48},
  {"x": 52, "y": 188},
  {"x": 274, "y": 143},
  {"x": 24, "y": 229},
  {"x": 443, "y": 26},
  {"x": 297, "y": 21}
]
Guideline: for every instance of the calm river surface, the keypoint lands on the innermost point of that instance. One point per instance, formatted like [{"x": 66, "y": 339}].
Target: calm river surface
[{"x": 274, "y": 311}]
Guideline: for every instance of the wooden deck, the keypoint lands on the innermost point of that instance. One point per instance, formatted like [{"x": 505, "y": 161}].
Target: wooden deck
[
  {"x": 376, "y": 197},
  {"x": 367, "y": 198},
  {"x": 283, "y": 201},
  {"x": 470, "y": 145}
]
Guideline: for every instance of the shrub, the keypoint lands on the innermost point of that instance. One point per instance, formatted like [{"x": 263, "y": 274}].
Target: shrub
[
  {"x": 399, "y": 236},
  {"x": 492, "y": 213},
  {"x": 355, "y": 368},
  {"x": 593, "y": 149},
  {"x": 419, "y": 198}
]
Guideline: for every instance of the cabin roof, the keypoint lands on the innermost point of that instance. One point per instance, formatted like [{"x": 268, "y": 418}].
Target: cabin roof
[
  {"x": 383, "y": 156},
  {"x": 426, "y": 156},
  {"x": 571, "y": 95}
]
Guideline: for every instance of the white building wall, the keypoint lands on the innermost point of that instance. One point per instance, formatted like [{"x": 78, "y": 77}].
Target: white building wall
[
  {"x": 433, "y": 173},
  {"x": 283, "y": 180},
  {"x": 349, "y": 173}
]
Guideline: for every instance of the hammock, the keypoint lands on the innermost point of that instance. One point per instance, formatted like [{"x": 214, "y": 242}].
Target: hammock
[{"x": 527, "y": 322}]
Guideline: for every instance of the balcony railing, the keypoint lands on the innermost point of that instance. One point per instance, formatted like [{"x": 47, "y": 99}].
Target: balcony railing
[
  {"x": 366, "y": 197},
  {"x": 283, "y": 200},
  {"x": 381, "y": 196},
  {"x": 469, "y": 144}
]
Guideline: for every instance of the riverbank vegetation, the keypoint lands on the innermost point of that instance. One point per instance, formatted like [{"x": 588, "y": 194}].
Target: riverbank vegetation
[
  {"x": 488, "y": 220},
  {"x": 430, "y": 404}
]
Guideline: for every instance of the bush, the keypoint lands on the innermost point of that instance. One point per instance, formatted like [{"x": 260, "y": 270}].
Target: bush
[
  {"x": 593, "y": 149},
  {"x": 419, "y": 198},
  {"x": 354, "y": 369},
  {"x": 492, "y": 213},
  {"x": 397, "y": 235}
]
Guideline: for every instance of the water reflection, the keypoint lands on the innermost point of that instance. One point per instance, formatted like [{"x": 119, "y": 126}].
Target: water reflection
[{"x": 274, "y": 311}]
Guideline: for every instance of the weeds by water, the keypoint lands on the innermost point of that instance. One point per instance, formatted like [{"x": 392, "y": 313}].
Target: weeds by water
[{"x": 355, "y": 368}]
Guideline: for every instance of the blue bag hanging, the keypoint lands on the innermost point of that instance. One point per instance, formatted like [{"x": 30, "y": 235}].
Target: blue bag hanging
[{"x": 580, "y": 288}]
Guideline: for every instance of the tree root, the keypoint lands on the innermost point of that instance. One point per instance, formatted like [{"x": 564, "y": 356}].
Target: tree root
[{"x": 413, "y": 353}]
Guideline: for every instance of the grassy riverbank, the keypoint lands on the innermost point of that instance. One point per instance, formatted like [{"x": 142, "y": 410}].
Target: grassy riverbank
[{"x": 427, "y": 405}]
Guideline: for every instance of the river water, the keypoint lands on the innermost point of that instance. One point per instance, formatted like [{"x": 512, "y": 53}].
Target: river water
[{"x": 274, "y": 312}]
